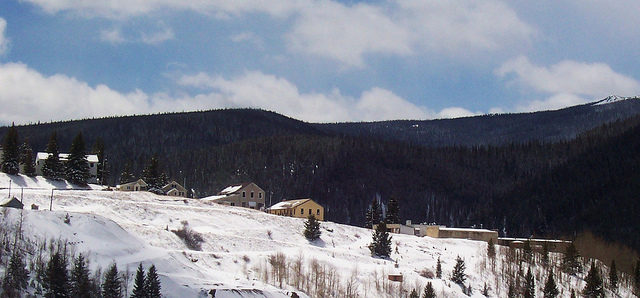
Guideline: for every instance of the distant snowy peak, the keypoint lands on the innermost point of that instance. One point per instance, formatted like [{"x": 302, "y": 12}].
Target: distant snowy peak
[{"x": 612, "y": 99}]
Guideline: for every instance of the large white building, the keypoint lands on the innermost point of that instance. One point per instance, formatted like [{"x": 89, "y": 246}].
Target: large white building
[{"x": 92, "y": 159}]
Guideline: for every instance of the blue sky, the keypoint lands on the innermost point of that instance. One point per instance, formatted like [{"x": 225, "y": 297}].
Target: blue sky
[{"x": 318, "y": 61}]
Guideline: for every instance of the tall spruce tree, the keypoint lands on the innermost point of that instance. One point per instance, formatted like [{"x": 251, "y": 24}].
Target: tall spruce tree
[
  {"x": 439, "y": 268},
  {"x": 429, "y": 292},
  {"x": 414, "y": 294},
  {"x": 111, "y": 286},
  {"x": 80, "y": 281},
  {"x": 594, "y": 287},
  {"x": 312, "y": 228},
  {"x": 529, "y": 290},
  {"x": 571, "y": 260},
  {"x": 126, "y": 176},
  {"x": 550, "y": 288},
  {"x": 139, "y": 290},
  {"x": 52, "y": 167},
  {"x": 10, "y": 153},
  {"x": 152, "y": 283},
  {"x": 26, "y": 159},
  {"x": 152, "y": 174},
  {"x": 102, "y": 170},
  {"x": 77, "y": 168},
  {"x": 457, "y": 275},
  {"x": 613, "y": 276},
  {"x": 393, "y": 212},
  {"x": 56, "y": 281},
  {"x": 16, "y": 277},
  {"x": 381, "y": 244}
]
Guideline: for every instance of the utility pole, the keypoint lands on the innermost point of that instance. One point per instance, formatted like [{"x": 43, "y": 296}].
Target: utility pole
[
  {"x": 9, "y": 188},
  {"x": 51, "y": 202}
]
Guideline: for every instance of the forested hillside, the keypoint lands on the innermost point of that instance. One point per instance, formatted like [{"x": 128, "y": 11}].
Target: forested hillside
[{"x": 520, "y": 187}]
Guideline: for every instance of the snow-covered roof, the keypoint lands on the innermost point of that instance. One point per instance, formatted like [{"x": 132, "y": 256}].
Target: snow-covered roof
[
  {"x": 65, "y": 156},
  {"x": 232, "y": 189},
  {"x": 212, "y": 198},
  {"x": 466, "y": 230},
  {"x": 288, "y": 204}
]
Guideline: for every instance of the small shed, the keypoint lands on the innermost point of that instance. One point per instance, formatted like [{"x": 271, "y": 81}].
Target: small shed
[
  {"x": 395, "y": 277},
  {"x": 12, "y": 203}
]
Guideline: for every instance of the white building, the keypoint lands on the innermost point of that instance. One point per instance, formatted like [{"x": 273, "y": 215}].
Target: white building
[{"x": 92, "y": 159}]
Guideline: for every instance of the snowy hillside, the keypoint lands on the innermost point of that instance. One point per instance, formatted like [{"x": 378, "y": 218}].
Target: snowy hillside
[{"x": 133, "y": 227}]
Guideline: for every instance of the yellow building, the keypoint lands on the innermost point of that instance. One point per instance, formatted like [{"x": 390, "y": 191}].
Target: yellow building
[{"x": 300, "y": 208}]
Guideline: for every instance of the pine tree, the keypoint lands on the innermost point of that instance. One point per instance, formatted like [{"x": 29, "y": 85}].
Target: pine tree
[
  {"x": 381, "y": 244},
  {"x": 80, "y": 281},
  {"x": 16, "y": 277},
  {"x": 312, "y": 228},
  {"x": 10, "y": 153},
  {"x": 376, "y": 213},
  {"x": 26, "y": 159},
  {"x": 139, "y": 290},
  {"x": 550, "y": 288},
  {"x": 594, "y": 287},
  {"x": 102, "y": 170},
  {"x": 77, "y": 168},
  {"x": 111, "y": 287},
  {"x": 52, "y": 168},
  {"x": 570, "y": 262},
  {"x": 126, "y": 176},
  {"x": 368, "y": 223},
  {"x": 613, "y": 276},
  {"x": 414, "y": 294},
  {"x": 56, "y": 281},
  {"x": 152, "y": 174},
  {"x": 393, "y": 212},
  {"x": 458, "y": 276},
  {"x": 529, "y": 290},
  {"x": 152, "y": 283},
  {"x": 438, "y": 268},
  {"x": 429, "y": 292}
]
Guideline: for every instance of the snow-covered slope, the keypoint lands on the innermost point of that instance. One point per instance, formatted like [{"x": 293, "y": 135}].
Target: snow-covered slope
[
  {"x": 133, "y": 227},
  {"x": 611, "y": 99}
]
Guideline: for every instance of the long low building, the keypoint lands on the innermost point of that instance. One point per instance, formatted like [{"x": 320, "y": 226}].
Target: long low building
[
  {"x": 301, "y": 208},
  {"x": 436, "y": 231}
]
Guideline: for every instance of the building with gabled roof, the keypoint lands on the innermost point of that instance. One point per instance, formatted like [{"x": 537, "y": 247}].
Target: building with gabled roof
[
  {"x": 174, "y": 189},
  {"x": 138, "y": 185},
  {"x": 300, "y": 208},
  {"x": 12, "y": 203},
  {"x": 248, "y": 195}
]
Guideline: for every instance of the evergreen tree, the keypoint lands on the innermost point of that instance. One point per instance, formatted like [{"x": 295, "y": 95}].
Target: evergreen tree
[
  {"x": 152, "y": 174},
  {"x": 613, "y": 276},
  {"x": 10, "y": 153},
  {"x": 393, "y": 212},
  {"x": 511, "y": 292},
  {"x": 570, "y": 261},
  {"x": 594, "y": 287},
  {"x": 77, "y": 168},
  {"x": 376, "y": 213},
  {"x": 368, "y": 222},
  {"x": 312, "y": 228},
  {"x": 80, "y": 281},
  {"x": 56, "y": 281},
  {"x": 111, "y": 287},
  {"x": 414, "y": 294},
  {"x": 429, "y": 292},
  {"x": 529, "y": 290},
  {"x": 381, "y": 244},
  {"x": 102, "y": 169},
  {"x": 139, "y": 290},
  {"x": 26, "y": 159},
  {"x": 527, "y": 252},
  {"x": 550, "y": 288},
  {"x": 16, "y": 277},
  {"x": 152, "y": 283},
  {"x": 438, "y": 268},
  {"x": 126, "y": 176},
  {"x": 52, "y": 168},
  {"x": 458, "y": 276}
]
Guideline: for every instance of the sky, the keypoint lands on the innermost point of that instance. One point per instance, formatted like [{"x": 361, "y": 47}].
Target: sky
[{"x": 313, "y": 60}]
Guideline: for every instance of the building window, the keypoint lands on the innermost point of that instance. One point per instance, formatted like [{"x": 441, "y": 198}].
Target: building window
[
  {"x": 301, "y": 211},
  {"x": 244, "y": 194},
  {"x": 252, "y": 194},
  {"x": 310, "y": 212},
  {"x": 318, "y": 212},
  {"x": 233, "y": 204},
  {"x": 259, "y": 195},
  {"x": 244, "y": 204}
]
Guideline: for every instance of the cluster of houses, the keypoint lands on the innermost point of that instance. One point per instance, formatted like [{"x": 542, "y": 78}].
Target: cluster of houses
[{"x": 173, "y": 188}]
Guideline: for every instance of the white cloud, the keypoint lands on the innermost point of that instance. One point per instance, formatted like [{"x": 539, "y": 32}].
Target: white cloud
[
  {"x": 348, "y": 33},
  {"x": 567, "y": 82},
  {"x": 113, "y": 36},
  {"x": 4, "y": 42},
  {"x": 158, "y": 37}
]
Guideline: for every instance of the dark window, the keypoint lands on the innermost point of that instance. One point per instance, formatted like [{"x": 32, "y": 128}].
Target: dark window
[
  {"x": 302, "y": 211},
  {"x": 244, "y": 194},
  {"x": 310, "y": 212},
  {"x": 252, "y": 194},
  {"x": 260, "y": 195},
  {"x": 244, "y": 204},
  {"x": 233, "y": 204},
  {"x": 318, "y": 212}
]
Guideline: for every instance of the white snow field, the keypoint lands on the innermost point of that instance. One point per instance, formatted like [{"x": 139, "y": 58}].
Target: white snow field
[{"x": 132, "y": 227}]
